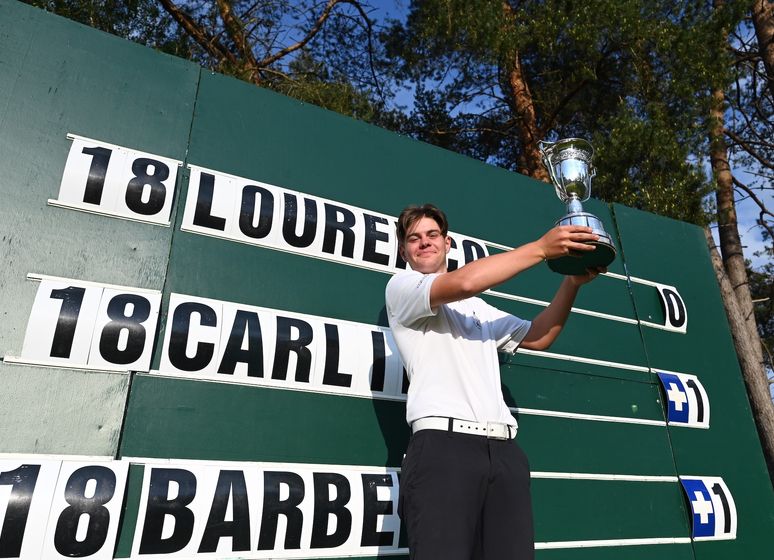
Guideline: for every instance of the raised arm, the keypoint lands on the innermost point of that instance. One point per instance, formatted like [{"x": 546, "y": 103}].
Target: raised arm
[
  {"x": 547, "y": 325},
  {"x": 482, "y": 274}
]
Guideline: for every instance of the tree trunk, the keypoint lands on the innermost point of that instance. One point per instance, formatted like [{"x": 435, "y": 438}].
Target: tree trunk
[
  {"x": 524, "y": 108},
  {"x": 728, "y": 230},
  {"x": 732, "y": 277},
  {"x": 747, "y": 349},
  {"x": 763, "y": 20},
  {"x": 528, "y": 128}
]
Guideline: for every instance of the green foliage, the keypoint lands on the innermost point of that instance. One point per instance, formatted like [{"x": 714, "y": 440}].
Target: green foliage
[
  {"x": 632, "y": 76},
  {"x": 643, "y": 164},
  {"x": 143, "y": 21},
  {"x": 313, "y": 82}
]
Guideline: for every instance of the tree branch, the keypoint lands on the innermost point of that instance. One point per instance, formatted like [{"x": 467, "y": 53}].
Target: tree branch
[
  {"x": 749, "y": 149},
  {"x": 236, "y": 32},
  {"x": 309, "y": 36},
  {"x": 369, "y": 35},
  {"x": 561, "y": 105},
  {"x": 764, "y": 211},
  {"x": 751, "y": 194},
  {"x": 438, "y": 132},
  {"x": 208, "y": 42}
]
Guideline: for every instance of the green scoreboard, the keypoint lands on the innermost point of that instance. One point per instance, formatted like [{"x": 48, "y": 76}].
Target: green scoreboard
[{"x": 196, "y": 357}]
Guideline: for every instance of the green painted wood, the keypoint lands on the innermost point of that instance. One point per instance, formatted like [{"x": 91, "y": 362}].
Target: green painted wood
[
  {"x": 563, "y": 445},
  {"x": 730, "y": 448},
  {"x": 131, "y": 511},
  {"x": 649, "y": 306},
  {"x": 57, "y": 411},
  {"x": 550, "y": 389},
  {"x": 650, "y": 552},
  {"x": 216, "y": 421},
  {"x": 612, "y": 345},
  {"x": 573, "y": 510},
  {"x": 57, "y": 77}
]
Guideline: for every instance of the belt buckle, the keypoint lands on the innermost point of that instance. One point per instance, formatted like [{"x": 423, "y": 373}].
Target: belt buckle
[{"x": 497, "y": 430}]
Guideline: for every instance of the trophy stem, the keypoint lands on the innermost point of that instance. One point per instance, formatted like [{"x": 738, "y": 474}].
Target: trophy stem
[{"x": 574, "y": 205}]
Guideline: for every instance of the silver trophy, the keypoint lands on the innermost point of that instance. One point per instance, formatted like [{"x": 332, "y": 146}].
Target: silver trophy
[{"x": 569, "y": 164}]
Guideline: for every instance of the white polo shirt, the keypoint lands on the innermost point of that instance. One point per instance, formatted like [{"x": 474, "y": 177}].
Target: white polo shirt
[{"x": 450, "y": 352}]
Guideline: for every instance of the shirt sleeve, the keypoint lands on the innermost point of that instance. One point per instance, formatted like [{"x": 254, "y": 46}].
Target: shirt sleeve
[
  {"x": 508, "y": 330},
  {"x": 407, "y": 297}
]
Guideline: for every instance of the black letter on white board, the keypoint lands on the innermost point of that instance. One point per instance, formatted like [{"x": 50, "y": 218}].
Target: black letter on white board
[
  {"x": 71, "y": 297},
  {"x": 332, "y": 375},
  {"x": 378, "y": 363},
  {"x": 136, "y": 187},
  {"x": 160, "y": 506},
  {"x": 247, "y": 212},
  {"x": 80, "y": 507},
  {"x": 178, "y": 339},
  {"x": 324, "y": 507},
  {"x": 203, "y": 213},
  {"x": 675, "y": 308},
  {"x": 273, "y": 507},
  {"x": 344, "y": 225},
  {"x": 286, "y": 344},
  {"x": 373, "y": 508},
  {"x": 231, "y": 484},
  {"x": 22, "y": 482},
  {"x": 472, "y": 250},
  {"x": 244, "y": 321},
  {"x": 372, "y": 235},
  {"x": 121, "y": 321},
  {"x": 717, "y": 489},
  {"x": 699, "y": 399},
  {"x": 291, "y": 216},
  {"x": 97, "y": 173}
]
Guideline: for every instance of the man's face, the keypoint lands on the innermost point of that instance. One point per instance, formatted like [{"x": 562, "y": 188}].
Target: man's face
[{"x": 425, "y": 247}]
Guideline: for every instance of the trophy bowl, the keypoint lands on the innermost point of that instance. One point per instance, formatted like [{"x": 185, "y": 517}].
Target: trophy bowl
[{"x": 570, "y": 165}]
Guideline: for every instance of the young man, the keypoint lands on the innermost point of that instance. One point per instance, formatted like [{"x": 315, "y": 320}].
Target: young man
[{"x": 465, "y": 482}]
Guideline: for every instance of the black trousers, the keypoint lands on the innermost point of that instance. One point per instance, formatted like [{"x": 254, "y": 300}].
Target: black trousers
[{"x": 466, "y": 497}]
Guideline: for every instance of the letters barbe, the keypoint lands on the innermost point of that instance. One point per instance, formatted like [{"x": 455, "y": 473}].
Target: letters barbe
[
  {"x": 188, "y": 509},
  {"x": 59, "y": 508}
]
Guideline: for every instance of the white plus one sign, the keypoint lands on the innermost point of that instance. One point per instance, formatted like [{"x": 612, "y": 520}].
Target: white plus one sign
[
  {"x": 676, "y": 396},
  {"x": 702, "y": 506}
]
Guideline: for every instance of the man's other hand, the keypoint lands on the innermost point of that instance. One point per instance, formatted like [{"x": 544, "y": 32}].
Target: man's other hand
[{"x": 591, "y": 273}]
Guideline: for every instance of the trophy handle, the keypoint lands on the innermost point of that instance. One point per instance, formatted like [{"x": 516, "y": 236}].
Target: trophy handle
[{"x": 545, "y": 152}]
